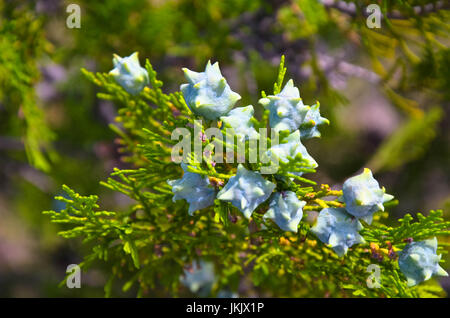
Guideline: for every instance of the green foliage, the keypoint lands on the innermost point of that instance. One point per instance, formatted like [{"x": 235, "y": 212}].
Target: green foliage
[
  {"x": 151, "y": 243},
  {"x": 18, "y": 75},
  {"x": 425, "y": 227},
  {"x": 176, "y": 28}
]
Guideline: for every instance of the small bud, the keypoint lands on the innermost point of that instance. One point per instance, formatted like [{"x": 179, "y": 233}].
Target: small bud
[
  {"x": 286, "y": 211},
  {"x": 129, "y": 73},
  {"x": 193, "y": 188},
  {"x": 418, "y": 261},
  {"x": 363, "y": 196},
  {"x": 337, "y": 228},
  {"x": 207, "y": 93},
  {"x": 287, "y": 112},
  {"x": 239, "y": 120},
  {"x": 291, "y": 147},
  {"x": 240, "y": 190}
]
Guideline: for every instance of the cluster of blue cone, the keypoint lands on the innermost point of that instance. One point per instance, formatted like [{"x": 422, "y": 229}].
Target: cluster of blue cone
[{"x": 208, "y": 94}]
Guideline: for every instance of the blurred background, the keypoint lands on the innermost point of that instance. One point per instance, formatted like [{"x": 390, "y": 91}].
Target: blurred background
[{"x": 385, "y": 90}]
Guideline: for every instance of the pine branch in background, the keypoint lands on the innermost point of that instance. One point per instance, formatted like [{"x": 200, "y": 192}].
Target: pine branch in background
[
  {"x": 18, "y": 75},
  {"x": 409, "y": 142}
]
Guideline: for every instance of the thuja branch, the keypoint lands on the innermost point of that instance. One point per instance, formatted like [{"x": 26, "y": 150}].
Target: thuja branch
[{"x": 203, "y": 223}]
